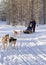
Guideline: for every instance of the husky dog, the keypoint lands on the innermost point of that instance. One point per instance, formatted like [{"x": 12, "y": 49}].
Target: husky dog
[
  {"x": 4, "y": 40},
  {"x": 12, "y": 41},
  {"x": 17, "y": 32}
]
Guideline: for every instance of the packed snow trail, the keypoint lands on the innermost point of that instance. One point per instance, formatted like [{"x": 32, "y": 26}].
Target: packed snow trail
[{"x": 30, "y": 49}]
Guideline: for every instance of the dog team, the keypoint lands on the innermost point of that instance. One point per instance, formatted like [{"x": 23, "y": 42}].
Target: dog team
[{"x": 11, "y": 40}]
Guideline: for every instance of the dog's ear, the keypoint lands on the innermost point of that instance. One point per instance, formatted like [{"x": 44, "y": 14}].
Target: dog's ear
[{"x": 3, "y": 37}]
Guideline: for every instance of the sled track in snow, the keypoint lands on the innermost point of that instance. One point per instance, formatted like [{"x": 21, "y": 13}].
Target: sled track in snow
[{"x": 36, "y": 50}]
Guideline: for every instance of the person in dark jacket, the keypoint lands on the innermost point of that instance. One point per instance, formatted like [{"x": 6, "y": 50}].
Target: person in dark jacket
[{"x": 31, "y": 27}]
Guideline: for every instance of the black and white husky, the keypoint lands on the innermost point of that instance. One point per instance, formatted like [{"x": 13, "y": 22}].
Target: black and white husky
[{"x": 12, "y": 40}]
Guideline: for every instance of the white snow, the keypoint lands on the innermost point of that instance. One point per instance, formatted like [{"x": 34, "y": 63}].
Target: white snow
[{"x": 30, "y": 49}]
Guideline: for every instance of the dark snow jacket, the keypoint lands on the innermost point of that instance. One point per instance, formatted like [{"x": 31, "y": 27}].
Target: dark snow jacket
[{"x": 32, "y": 24}]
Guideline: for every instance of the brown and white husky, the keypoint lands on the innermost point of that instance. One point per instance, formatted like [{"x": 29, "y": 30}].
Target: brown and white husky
[{"x": 4, "y": 41}]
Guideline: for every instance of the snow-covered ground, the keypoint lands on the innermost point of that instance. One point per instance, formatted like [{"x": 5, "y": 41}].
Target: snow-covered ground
[{"x": 30, "y": 49}]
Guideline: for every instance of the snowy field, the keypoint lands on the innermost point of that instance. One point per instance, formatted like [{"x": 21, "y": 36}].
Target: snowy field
[{"x": 30, "y": 49}]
